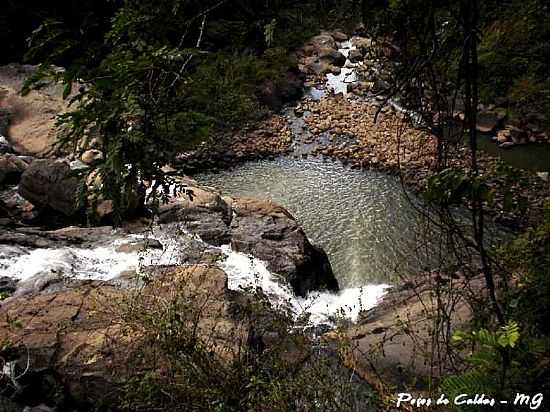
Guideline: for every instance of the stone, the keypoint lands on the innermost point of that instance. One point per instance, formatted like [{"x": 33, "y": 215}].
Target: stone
[
  {"x": 32, "y": 124},
  {"x": 339, "y": 36},
  {"x": 503, "y": 136},
  {"x": 11, "y": 169},
  {"x": 276, "y": 93},
  {"x": 506, "y": 145},
  {"x": 7, "y": 286},
  {"x": 5, "y": 146},
  {"x": 392, "y": 342},
  {"x": 362, "y": 43},
  {"x": 92, "y": 156},
  {"x": 487, "y": 122},
  {"x": 139, "y": 246},
  {"x": 517, "y": 135},
  {"x": 543, "y": 176},
  {"x": 355, "y": 55},
  {"x": 269, "y": 232},
  {"x": 17, "y": 207},
  {"x": 79, "y": 335},
  {"x": 45, "y": 183},
  {"x": 323, "y": 41},
  {"x": 204, "y": 213}
]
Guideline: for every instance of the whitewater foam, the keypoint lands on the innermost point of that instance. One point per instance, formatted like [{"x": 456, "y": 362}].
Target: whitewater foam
[{"x": 105, "y": 262}]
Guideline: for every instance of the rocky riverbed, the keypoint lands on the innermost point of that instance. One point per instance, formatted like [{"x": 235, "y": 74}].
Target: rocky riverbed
[{"x": 58, "y": 279}]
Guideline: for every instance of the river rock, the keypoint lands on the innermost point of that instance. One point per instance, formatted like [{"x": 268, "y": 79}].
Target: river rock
[
  {"x": 32, "y": 125},
  {"x": 487, "y": 122},
  {"x": 76, "y": 339},
  {"x": 362, "y": 43},
  {"x": 92, "y": 156},
  {"x": 392, "y": 342},
  {"x": 11, "y": 169},
  {"x": 17, "y": 207},
  {"x": 204, "y": 213},
  {"x": 45, "y": 183},
  {"x": 355, "y": 56},
  {"x": 5, "y": 146},
  {"x": 269, "y": 232},
  {"x": 139, "y": 246},
  {"x": 323, "y": 41},
  {"x": 339, "y": 36},
  {"x": 275, "y": 93}
]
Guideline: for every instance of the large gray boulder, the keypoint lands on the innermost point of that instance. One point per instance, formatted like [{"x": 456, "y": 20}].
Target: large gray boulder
[
  {"x": 269, "y": 232},
  {"x": 261, "y": 228},
  {"x": 46, "y": 183}
]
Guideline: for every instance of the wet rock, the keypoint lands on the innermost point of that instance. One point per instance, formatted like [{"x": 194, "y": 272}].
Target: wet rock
[
  {"x": 11, "y": 169},
  {"x": 139, "y": 246},
  {"x": 274, "y": 94},
  {"x": 323, "y": 41},
  {"x": 17, "y": 207},
  {"x": 46, "y": 282},
  {"x": 506, "y": 145},
  {"x": 45, "y": 183},
  {"x": 204, "y": 213},
  {"x": 361, "y": 43},
  {"x": 5, "y": 146},
  {"x": 7, "y": 286},
  {"x": 267, "y": 231},
  {"x": 518, "y": 136},
  {"x": 392, "y": 342},
  {"x": 487, "y": 122}
]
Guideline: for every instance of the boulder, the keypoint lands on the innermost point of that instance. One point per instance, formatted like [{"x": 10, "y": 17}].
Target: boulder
[
  {"x": 11, "y": 169},
  {"x": 487, "y": 122},
  {"x": 339, "y": 36},
  {"x": 204, "y": 213},
  {"x": 32, "y": 122},
  {"x": 5, "y": 146},
  {"x": 274, "y": 94},
  {"x": 16, "y": 207},
  {"x": 355, "y": 55},
  {"x": 261, "y": 228},
  {"x": 332, "y": 56},
  {"x": 363, "y": 44},
  {"x": 92, "y": 156},
  {"x": 269, "y": 232},
  {"x": 323, "y": 41},
  {"x": 45, "y": 183},
  {"x": 394, "y": 342},
  {"x": 80, "y": 345},
  {"x": 139, "y": 246}
]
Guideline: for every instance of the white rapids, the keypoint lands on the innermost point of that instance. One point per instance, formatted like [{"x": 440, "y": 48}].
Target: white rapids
[{"x": 104, "y": 262}]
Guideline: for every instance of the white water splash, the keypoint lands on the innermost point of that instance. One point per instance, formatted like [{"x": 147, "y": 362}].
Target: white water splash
[
  {"x": 105, "y": 262},
  {"x": 338, "y": 83},
  {"x": 246, "y": 272}
]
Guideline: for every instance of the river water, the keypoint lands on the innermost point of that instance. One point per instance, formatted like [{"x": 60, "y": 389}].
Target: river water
[{"x": 364, "y": 220}]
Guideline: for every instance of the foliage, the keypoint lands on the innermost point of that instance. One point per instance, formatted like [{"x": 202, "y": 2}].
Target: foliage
[
  {"x": 151, "y": 91},
  {"x": 185, "y": 359},
  {"x": 513, "y": 56},
  {"x": 527, "y": 261}
]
